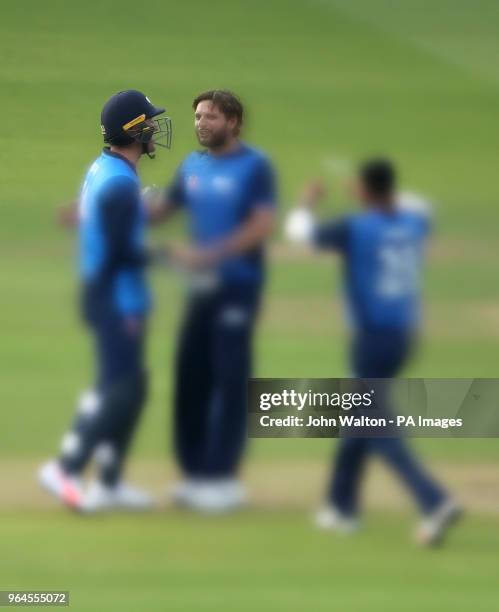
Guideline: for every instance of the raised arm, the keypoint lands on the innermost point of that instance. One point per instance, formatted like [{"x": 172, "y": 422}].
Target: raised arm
[
  {"x": 302, "y": 226},
  {"x": 301, "y": 222}
]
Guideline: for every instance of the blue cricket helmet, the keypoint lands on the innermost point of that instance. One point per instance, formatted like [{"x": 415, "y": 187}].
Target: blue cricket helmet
[{"x": 124, "y": 119}]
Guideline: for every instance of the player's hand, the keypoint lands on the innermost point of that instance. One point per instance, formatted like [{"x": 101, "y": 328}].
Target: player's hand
[
  {"x": 193, "y": 258},
  {"x": 67, "y": 215},
  {"x": 150, "y": 194},
  {"x": 312, "y": 193},
  {"x": 157, "y": 208}
]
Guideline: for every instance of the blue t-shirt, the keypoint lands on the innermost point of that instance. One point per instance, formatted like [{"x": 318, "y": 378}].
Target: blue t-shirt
[
  {"x": 112, "y": 237},
  {"x": 219, "y": 193},
  {"x": 383, "y": 256}
]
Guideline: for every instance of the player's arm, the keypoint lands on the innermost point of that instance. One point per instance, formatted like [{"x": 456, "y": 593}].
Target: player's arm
[
  {"x": 162, "y": 205},
  {"x": 159, "y": 206},
  {"x": 302, "y": 226},
  {"x": 301, "y": 222},
  {"x": 416, "y": 204},
  {"x": 120, "y": 211},
  {"x": 260, "y": 221},
  {"x": 419, "y": 206},
  {"x": 67, "y": 215},
  {"x": 252, "y": 233}
]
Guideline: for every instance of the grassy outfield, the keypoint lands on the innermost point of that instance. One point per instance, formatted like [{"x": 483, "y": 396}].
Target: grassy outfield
[
  {"x": 246, "y": 562},
  {"x": 326, "y": 81}
]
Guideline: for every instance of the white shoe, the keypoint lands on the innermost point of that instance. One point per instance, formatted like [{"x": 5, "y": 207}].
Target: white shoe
[
  {"x": 234, "y": 492},
  {"x": 101, "y": 498},
  {"x": 181, "y": 492},
  {"x": 66, "y": 488},
  {"x": 217, "y": 496},
  {"x": 433, "y": 527},
  {"x": 332, "y": 519}
]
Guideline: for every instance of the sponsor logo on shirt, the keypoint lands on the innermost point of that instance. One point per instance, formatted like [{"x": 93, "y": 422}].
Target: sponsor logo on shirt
[{"x": 223, "y": 184}]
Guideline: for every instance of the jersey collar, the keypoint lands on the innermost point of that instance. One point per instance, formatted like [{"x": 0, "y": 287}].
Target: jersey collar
[
  {"x": 107, "y": 151},
  {"x": 241, "y": 148}
]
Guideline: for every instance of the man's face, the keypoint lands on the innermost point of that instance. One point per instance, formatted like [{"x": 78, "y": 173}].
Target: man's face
[
  {"x": 213, "y": 128},
  {"x": 146, "y": 146},
  {"x": 150, "y": 146}
]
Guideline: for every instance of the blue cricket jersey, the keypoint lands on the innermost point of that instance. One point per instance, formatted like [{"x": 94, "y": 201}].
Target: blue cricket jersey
[
  {"x": 383, "y": 256},
  {"x": 218, "y": 193},
  {"x": 112, "y": 237}
]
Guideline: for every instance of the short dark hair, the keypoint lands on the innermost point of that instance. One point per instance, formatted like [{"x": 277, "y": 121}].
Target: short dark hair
[
  {"x": 227, "y": 102},
  {"x": 378, "y": 176}
]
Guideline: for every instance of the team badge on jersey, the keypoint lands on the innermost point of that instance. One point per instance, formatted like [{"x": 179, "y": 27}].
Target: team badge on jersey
[{"x": 192, "y": 182}]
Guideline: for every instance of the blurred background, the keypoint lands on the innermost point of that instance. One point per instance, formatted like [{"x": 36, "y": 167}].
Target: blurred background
[{"x": 326, "y": 82}]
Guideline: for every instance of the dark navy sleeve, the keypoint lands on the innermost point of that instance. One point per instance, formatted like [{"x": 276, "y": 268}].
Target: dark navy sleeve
[
  {"x": 175, "y": 191},
  {"x": 119, "y": 215},
  {"x": 333, "y": 234},
  {"x": 263, "y": 185}
]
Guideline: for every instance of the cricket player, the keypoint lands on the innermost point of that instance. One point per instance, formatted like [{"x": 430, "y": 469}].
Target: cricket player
[
  {"x": 227, "y": 191},
  {"x": 382, "y": 249},
  {"x": 115, "y": 304}
]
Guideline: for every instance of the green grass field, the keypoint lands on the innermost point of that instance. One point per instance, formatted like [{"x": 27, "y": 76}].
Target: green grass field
[{"x": 326, "y": 82}]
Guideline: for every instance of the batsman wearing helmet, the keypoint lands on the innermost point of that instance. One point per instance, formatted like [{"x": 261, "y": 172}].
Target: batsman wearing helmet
[{"x": 115, "y": 304}]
